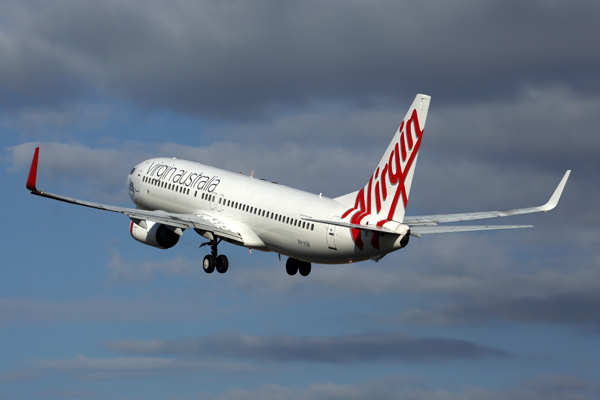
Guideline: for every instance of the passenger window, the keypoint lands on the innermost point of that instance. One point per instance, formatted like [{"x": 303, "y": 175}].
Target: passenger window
[
  {"x": 303, "y": 225},
  {"x": 267, "y": 214},
  {"x": 312, "y": 227},
  {"x": 195, "y": 193}
]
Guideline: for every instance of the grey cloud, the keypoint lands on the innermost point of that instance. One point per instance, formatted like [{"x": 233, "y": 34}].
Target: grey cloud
[
  {"x": 23, "y": 310},
  {"x": 545, "y": 127},
  {"x": 58, "y": 122},
  {"x": 395, "y": 387},
  {"x": 563, "y": 308},
  {"x": 88, "y": 368},
  {"x": 248, "y": 59},
  {"x": 338, "y": 350},
  {"x": 513, "y": 151}
]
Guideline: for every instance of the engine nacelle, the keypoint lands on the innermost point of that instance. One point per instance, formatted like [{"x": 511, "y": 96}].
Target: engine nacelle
[
  {"x": 155, "y": 235},
  {"x": 402, "y": 240}
]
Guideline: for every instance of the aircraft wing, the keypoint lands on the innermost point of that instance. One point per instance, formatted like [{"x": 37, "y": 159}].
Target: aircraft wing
[
  {"x": 183, "y": 221},
  {"x": 428, "y": 220}
]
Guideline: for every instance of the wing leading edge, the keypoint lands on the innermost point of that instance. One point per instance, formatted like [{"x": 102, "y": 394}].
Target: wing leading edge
[{"x": 181, "y": 221}]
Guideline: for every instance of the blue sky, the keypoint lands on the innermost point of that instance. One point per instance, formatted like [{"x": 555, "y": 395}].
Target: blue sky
[{"x": 307, "y": 94}]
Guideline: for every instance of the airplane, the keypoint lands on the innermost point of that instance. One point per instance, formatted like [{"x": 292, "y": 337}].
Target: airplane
[{"x": 173, "y": 195}]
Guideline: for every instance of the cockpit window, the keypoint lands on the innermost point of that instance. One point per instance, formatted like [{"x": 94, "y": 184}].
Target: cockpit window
[{"x": 132, "y": 171}]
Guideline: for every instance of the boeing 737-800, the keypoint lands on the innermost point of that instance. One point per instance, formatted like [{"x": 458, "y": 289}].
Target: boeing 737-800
[{"x": 174, "y": 195}]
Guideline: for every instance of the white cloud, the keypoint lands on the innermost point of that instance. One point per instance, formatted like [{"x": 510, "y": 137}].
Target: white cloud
[{"x": 144, "y": 271}]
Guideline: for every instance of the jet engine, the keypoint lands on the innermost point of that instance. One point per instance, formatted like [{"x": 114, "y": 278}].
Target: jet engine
[{"x": 155, "y": 235}]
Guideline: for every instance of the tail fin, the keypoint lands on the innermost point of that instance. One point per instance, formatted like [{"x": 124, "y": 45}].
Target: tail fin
[{"x": 385, "y": 196}]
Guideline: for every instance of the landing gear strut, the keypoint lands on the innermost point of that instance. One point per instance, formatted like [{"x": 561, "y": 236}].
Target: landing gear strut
[
  {"x": 213, "y": 260},
  {"x": 292, "y": 266}
]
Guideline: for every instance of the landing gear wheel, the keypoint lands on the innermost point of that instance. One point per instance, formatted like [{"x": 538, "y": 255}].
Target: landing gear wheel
[
  {"x": 222, "y": 264},
  {"x": 209, "y": 264},
  {"x": 304, "y": 268},
  {"x": 291, "y": 266}
]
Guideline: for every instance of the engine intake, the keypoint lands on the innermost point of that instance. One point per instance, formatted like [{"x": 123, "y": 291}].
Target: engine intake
[{"x": 155, "y": 235}]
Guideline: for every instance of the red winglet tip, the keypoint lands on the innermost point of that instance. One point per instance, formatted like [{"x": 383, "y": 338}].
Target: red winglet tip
[{"x": 33, "y": 171}]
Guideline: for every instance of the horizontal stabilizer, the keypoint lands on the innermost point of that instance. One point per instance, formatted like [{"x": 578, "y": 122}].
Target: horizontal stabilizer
[{"x": 373, "y": 228}]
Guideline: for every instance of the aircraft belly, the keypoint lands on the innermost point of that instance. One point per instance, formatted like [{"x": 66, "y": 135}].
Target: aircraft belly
[{"x": 313, "y": 247}]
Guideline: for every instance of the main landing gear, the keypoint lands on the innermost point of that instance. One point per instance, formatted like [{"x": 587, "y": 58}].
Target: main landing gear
[
  {"x": 212, "y": 260},
  {"x": 292, "y": 266}
]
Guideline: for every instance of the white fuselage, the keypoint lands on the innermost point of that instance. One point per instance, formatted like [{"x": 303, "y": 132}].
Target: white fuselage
[{"x": 268, "y": 216}]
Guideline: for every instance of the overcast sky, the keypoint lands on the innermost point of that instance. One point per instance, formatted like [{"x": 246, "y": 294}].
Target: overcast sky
[{"x": 308, "y": 94}]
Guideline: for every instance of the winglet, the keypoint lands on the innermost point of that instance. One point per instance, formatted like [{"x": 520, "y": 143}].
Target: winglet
[
  {"x": 33, "y": 171},
  {"x": 556, "y": 195}
]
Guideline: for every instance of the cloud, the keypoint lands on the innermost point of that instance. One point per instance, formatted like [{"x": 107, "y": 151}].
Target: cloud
[
  {"x": 220, "y": 60},
  {"x": 337, "y": 350},
  {"x": 513, "y": 151},
  {"x": 24, "y": 310},
  {"x": 541, "y": 388},
  {"x": 42, "y": 122},
  {"x": 144, "y": 271},
  {"x": 84, "y": 367},
  {"x": 570, "y": 308}
]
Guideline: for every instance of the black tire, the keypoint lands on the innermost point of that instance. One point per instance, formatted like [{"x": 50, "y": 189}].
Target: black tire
[
  {"x": 291, "y": 266},
  {"x": 209, "y": 264},
  {"x": 304, "y": 268},
  {"x": 222, "y": 264}
]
